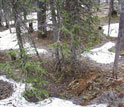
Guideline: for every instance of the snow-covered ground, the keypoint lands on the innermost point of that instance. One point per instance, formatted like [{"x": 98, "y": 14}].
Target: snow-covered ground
[
  {"x": 113, "y": 30},
  {"x": 33, "y": 18},
  {"x": 17, "y": 99},
  {"x": 35, "y": 22},
  {"x": 9, "y": 41},
  {"x": 32, "y": 51},
  {"x": 102, "y": 54},
  {"x": 10, "y": 22},
  {"x": 104, "y": 1}
]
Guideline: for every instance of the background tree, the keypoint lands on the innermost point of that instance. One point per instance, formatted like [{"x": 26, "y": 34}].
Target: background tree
[
  {"x": 120, "y": 41},
  {"x": 41, "y": 15}
]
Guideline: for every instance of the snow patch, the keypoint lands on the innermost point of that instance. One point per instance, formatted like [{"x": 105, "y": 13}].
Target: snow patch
[
  {"x": 17, "y": 99},
  {"x": 98, "y": 105},
  {"x": 101, "y": 55},
  {"x": 113, "y": 30},
  {"x": 32, "y": 51},
  {"x": 9, "y": 41},
  {"x": 33, "y": 17},
  {"x": 10, "y": 22}
]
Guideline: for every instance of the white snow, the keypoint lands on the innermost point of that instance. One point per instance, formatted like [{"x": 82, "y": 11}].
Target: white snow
[
  {"x": 10, "y": 22},
  {"x": 32, "y": 51},
  {"x": 33, "y": 17},
  {"x": 102, "y": 54},
  {"x": 17, "y": 99},
  {"x": 97, "y": 105},
  {"x": 113, "y": 30},
  {"x": 49, "y": 17},
  {"x": 35, "y": 24},
  {"x": 9, "y": 41},
  {"x": 104, "y": 1}
]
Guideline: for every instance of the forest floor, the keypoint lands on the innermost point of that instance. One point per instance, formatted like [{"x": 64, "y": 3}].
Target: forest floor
[{"x": 93, "y": 83}]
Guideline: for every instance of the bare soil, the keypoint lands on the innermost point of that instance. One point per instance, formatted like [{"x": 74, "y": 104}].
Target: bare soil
[{"x": 6, "y": 89}]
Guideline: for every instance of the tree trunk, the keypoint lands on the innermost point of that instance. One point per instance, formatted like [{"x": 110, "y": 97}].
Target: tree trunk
[
  {"x": 31, "y": 27},
  {"x": 99, "y": 2},
  {"x": 120, "y": 41},
  {"x": 18, "y": 28},
  {"x": 73, "y": 11},
  {"x": 107, "y": 1},
  {"x": 0, "y": 20},
  {"x": 67, "y": 5},
  {"x": 112, "y": 5},
  {"x": 112, "y": 11},
  {"x": 41, "y": 14},
  {"x": 53, "y": 14},
  {"x": 18, "y": 33},
  {"x": 25, "y": 14}
]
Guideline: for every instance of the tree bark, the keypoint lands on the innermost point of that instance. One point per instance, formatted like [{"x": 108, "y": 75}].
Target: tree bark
[
  {"x": 0, "y": 20},
  {"x": 120, "y": 41},
  {"x": 18, "y": 27},
  {"x": 112, "y": 11},
  {"x": 41, "y": 14},
  {"x": 73, "y": 11},
  {"x": 53, "y": 14}
]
